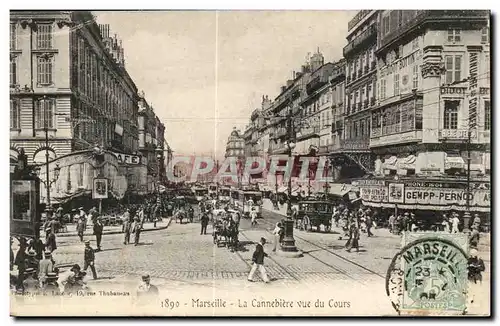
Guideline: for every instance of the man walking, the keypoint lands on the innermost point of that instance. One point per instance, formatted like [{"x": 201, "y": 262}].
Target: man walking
[
  {"x": 98, "y": 228},
  {"x": 136, "y": 230},
  {"x": 80, "y": 227},
  {"x": 89, "y": 258},
  {"x": 127, "y": 227},
  {"x": 455, "y": 221},
  {"x": 50, "y": 242},
  {"x": 204, "y": 223},
  {"x": 258, "y": 262},
  {"x": 253, "y": 215},
  {"x": 45, "y": 267}
]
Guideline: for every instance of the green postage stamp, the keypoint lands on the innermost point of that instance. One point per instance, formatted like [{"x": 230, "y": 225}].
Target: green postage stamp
[{"x": 429, "y": 274}]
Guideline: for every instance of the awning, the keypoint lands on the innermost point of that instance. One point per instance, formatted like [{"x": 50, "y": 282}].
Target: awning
[
  {"x": 390, "y": 163},
  {"x": 407, "y": 163},
  {"x": 339, "y": 189},
  {"x": 454, "y": 162}
]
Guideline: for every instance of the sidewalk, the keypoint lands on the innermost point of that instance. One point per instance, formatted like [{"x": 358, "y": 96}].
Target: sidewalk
[{"x": 148, "y": 226}]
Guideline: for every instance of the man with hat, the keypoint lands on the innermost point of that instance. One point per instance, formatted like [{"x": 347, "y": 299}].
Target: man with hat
[
  {"x": 98, "y": 228},
  {"x": 455, "y": 221},
  {"x": 50, "y": 240},
  {"x": 31, "y": 261},
  {"x": 136, "y": 230},
  {"x": 146, "y": 291},
  {"x": 83, "y": 216},
  {"x": 474, "y": 236},
  {"x": 80, "y": 227},
  {"x": 475, "y": 266},
  {"x": 30, "y": 283},
  {"x": 51, "y": 286},
  {"x": 258, "y": 261},
  {"x": 89, "y": 258},
  {"x": 45, "y": 266},
  {"x": 66, "y": 276},
  {"x": 477, "y": 221}
]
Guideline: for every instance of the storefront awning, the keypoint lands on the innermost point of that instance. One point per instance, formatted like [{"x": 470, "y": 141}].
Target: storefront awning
[
  {"x": 454, "y": 162},
  {"x": 407, "y": 163},
  {"x": 339, "y": 189},
  {"x": 390, "y": 163}
]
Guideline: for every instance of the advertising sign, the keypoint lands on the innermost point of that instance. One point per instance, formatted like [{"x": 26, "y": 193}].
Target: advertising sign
[
  {"x": 377, "y": 194},
  {"x": 396, "y": 193},
  {"x": 100, "y": 188},
  {"x": 127, "y": 158},
  {"x": 24, "y": 215},
  {"x": 446, "y": 197}
]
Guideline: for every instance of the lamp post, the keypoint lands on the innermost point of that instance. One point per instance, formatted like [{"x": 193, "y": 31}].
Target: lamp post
[
  {"x": 48, "y": 183},
  {"x": 467, "y": 214}
]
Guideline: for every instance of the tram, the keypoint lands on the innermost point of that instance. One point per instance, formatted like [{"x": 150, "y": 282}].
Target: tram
[
  {"x": 224, "y": 194},
  {"x": 200, "y": 192},
  {"x": 247, "y": 201}
]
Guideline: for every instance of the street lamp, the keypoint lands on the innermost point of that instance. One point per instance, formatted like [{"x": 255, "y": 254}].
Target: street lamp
[{"x": 48, "y": 183}]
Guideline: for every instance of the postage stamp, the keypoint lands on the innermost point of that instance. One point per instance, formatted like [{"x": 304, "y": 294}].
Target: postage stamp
[{"x": 428, "y": 276}]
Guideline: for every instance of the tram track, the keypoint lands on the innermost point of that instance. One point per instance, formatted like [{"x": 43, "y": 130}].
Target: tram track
[{"x": 325, "y": 249}]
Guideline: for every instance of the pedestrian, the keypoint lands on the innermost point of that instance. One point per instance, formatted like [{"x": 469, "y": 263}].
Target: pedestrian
[
  {"x": 80, "y": 227},
  {"x": 147, "y": 292},
  {"x": 84, "y": 216},
  {"x": 392, "y": 220},
  {"x": 51, "y": 287},
  {"x": 50, "y": 241},
  {"x": 45, "y": 266},
  {"x": 276, "y": 234},
  {"x": 258, "y": 261},
  {"x": 204, "y": 223},
  {"x": 474, "y": 237},
  {"x": 98, "y": 229},
  {"x": 353, "y": 241},
  {"x": 136, "y": 230},
  {"x": 475, "y": 267},
  {"x": 66, "y": 276},
  {"x": 369, "y": 225},
  {"x": 20, "y": 260},
  {"x": 89, "y": 259},
  {"x": 127, "y": 227},
  {"x": 31, "y": 284},
  {"x": 477, "y": 221},
  {"x": 455, "y": 221},
  {"x": 31, "y": 261}
]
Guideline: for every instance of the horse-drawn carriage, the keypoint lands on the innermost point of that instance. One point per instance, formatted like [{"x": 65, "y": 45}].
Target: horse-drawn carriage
[
  {"x": 312, "y": 214},
  {"x": 225, "y": 229}
]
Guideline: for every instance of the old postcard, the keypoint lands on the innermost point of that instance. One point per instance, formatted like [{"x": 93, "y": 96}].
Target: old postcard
[{"x": 250, "y": 163}]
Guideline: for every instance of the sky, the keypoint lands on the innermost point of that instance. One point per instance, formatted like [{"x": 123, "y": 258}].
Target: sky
[{"x": 204, "y": 72}]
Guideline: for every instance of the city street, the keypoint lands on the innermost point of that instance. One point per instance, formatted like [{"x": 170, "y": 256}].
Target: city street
[{"x": 181, "y": 253}]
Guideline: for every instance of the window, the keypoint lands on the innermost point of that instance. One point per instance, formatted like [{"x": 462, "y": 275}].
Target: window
[
  {"x": 14, "y": 114},
  {"x": 453, "y": 68},
  {"x": 382, "y": 88},
  {"x": 385, "y": 25},
  {"x": 44, "y": 70},
  {"x": 415, "y": 77},
  {"x": 44, "y": 36},
  {"x": 396, "y": 85},
  {"x": 485, "y": 35},
  {"x": 453, "y": 35},
  {"x": 13, "y": 71},
  {"x": 451, "y": 114},
  {"x": 13, "y": 36},
  {"x": 487, "y": 115},
  {"x": 44, "y": 113}
]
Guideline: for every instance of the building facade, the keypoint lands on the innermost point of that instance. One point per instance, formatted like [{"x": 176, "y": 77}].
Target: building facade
[
  {"x": 434, "y": 92},
  {"x": 152, "y": 145},
  {"x": 360, "y": 92},
  {"x": 235, "y": 146},
  {"x": 70, "y": 93}
]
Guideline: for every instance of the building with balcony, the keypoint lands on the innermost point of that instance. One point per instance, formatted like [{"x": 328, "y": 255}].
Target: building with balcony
[
  {"x": 360, "y": 90},
  {"x": 152, "y": 145},
  {"x": 433, "y": 92},
  {"x": 69, "y": 91}
]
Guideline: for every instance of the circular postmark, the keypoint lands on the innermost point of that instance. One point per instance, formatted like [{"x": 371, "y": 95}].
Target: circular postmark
[{"x": 428, "y": 275}]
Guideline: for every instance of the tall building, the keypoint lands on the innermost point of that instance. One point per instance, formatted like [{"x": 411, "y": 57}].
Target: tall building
[
  {"x": 434, "y": 90},
  {"x": 235, "y": 146},
  {"x": 152, "y": 144},
  {"x": 70, "y": 92},
  {"x": 360, "y": 90}
]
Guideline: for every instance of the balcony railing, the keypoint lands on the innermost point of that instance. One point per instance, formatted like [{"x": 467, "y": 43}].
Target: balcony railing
[
  {"x": 365, "y": 103},
  {"x": 372, "y": 101},
  {"x": 356, "y": 144},
  {"x": 359, "y": 106},
  {"x": 370, "y": 34}
]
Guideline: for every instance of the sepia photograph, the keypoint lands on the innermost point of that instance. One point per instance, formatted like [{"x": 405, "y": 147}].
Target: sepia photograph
[{"x": 243, "y": 163}]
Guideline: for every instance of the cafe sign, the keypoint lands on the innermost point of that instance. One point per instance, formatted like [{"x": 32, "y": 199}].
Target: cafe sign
[
  {"x": 446, "y": 197},
  {"x": 374, "y": 194},
  {"x": 127, "y": 158}
]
